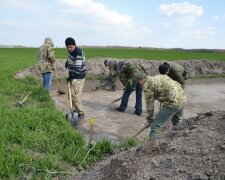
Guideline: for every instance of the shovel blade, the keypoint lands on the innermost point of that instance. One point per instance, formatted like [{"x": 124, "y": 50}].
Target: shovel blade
[
  {"x": 19, "y": 104},
  {"x": 61, "y": 92},
  {"x": 73, "y": 119}
]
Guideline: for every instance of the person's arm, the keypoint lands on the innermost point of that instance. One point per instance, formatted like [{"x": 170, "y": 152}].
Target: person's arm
[
  {"x": 177, "y": 73},
  {"x": 180, "y": 78},
  {"x": 84, "y": 64},
  {"x": 51, "y": 54}
]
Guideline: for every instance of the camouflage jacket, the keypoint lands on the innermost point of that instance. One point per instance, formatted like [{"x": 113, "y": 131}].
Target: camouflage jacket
[
  {"x": 114, "y": 70},
  {"x": 46, "y": 56},
  {"x": 130, "y": 74},
  {"x": 176, "y": 73},
  {"x": 163, "y": 89}
]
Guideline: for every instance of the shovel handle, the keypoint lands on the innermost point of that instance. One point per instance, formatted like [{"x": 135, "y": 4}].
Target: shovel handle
[
  {"x": 25, "y": 97},
  {"x": 56, "y": 77},
  {"x": 70, "y": 96},
  {"x": 142, "y": 129},
  {"x": 116, "y": 100}
]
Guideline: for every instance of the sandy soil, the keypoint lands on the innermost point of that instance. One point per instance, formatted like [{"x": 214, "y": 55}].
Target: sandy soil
[{"x": 203, "y": 95}]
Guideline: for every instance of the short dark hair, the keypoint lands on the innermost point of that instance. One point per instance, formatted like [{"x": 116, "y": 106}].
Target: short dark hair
[
  {"x": 70, "y": 41},
  {"x": 105, "y": 62},
  {"x": 163, "y": 68}
]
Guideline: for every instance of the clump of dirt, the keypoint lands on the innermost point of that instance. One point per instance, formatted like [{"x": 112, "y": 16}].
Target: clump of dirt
[
  {"x": 96, "y": 68},
  {"x": 195, "y": 149}
]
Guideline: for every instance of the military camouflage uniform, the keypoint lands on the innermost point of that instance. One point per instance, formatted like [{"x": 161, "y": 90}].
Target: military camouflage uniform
[
  {"x": 177, "y": 73},
  {"x": 168, "y": 92},
  {"x": 130, "y": 74},
  {"x": 114, "y": 72},
  {"x": 46, "y": 60},
  {"x": 129, "y": 77},
  {"x": 46, "y": 56}
]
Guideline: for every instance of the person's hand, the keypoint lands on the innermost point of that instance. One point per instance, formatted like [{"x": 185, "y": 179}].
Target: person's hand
[
  {"x": 69, "y": 79},
  {"x": 147, "y": 124},
  {"x": 66, "y": 64},
  {"x": 53, "y": 66}
]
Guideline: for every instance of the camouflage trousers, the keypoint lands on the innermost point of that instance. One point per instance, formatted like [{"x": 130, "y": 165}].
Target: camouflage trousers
[
  {"x": 175, "y": 114},
  {"x": 76, "y": 91}
]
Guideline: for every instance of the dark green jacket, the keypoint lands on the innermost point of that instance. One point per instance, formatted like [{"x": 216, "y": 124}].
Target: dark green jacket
[{"x": 177, "y": 73}]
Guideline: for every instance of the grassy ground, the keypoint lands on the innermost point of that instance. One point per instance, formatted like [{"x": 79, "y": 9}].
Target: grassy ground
[
  {"x": 150, "y": 54},
  {"x": 36, "y": 141}
]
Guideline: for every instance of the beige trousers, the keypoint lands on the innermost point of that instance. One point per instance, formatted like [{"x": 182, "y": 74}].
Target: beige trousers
[{"x": 76, "y": 91}]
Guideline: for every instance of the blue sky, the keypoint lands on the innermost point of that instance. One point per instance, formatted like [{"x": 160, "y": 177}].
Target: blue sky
[{"x": 150, "y": 23}]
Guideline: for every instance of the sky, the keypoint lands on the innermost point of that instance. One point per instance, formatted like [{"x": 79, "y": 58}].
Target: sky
[{"x": 145, "y": 23}]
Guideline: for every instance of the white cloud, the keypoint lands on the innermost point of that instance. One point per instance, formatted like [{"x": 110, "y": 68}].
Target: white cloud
[
  {"x": 204, "y": 33},
  {"x": 165, "y": 24},
  {"x": 183, "y": 13},
  {"x": 145, "y": 30},
  {"x": 25, "y": 5},
  {"x": 96, "y": 11},
  {"x": 86, "y": 20},
  {"x": 216, "y": 17},
  {"x": 101, "y": 20},
  {"x": 8, "y": 23}
]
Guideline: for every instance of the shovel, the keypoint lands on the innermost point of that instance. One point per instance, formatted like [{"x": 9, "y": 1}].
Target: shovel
[
  {"x": 142, "y": 129},
  {"x": 116, "y": 100},
  {"x": 20, "y": 103},
  {"x": 119, "y": 98},
  {"x": 57, "y": 80},
  {"x": 101, "y": 85},
  {"x": 72, "y": 117}
]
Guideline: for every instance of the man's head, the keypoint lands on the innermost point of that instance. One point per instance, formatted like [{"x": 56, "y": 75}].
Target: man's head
[
  {"x": 164, "y": 68},
  {"x": 70, "y": 44},
  {"x": 107, "y": 63},
  {"x": 48, "y": 40}
]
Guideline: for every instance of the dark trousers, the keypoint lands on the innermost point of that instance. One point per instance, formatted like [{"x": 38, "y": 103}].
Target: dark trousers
[{"x": 126, "y": 94}]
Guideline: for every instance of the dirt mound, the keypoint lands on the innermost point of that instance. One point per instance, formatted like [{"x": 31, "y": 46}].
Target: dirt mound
[
  {"x": 95, "y": 68},
  {"x": 197, "y": 68},
  {"x": 193, "y": 150}
]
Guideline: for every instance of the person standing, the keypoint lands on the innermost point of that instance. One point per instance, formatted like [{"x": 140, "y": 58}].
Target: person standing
[
  {"x": 168, "y": 92},
  {"x": 76, "y": 66},
  {"x": 175, "y": 71},
  {"x": 129, "y": 77},
  {"x": 46, "y": 60}
]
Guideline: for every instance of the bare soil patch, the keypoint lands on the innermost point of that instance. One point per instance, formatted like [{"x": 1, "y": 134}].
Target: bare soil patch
[
  {"x": 202, "y": 95},
  {"x": 195, "y": 149}
]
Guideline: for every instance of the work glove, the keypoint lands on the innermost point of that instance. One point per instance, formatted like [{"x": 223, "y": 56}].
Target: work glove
[
  {"x": 69, "y": 79},
  {"x": 147, "y": 124},
  {"x": 66, "y": 64}
]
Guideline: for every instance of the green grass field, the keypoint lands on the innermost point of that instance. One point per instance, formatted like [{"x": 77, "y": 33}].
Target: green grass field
[
  {"x": 145, "y": 54},
  {"x": 36, "y": 141}
]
